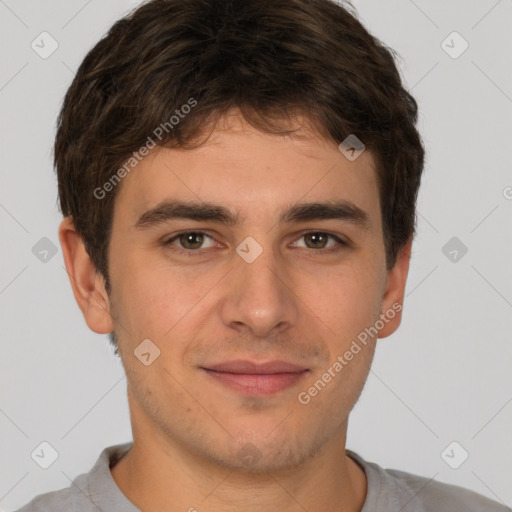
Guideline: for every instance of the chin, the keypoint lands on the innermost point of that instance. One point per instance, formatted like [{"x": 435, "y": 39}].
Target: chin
[{"x": 258, "y": 455}]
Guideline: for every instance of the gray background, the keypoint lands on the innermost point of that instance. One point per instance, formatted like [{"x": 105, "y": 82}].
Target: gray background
[{"x": 443, "y": 377}]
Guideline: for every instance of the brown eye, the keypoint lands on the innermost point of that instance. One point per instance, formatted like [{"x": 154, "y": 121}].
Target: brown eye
[
  {"x": 316, "y": 240},
  {"x": 320, "y": 241},
  {"x": 189, "y": 241}
]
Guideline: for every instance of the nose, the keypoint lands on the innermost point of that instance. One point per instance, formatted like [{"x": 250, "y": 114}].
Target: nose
[{"x": 259, "y": 299}]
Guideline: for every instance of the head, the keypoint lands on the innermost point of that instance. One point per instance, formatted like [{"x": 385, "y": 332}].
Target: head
[{"x": 193, "y": 125}]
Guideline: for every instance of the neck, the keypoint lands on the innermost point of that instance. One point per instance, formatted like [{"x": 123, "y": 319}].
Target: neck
[{"x": 159, "y": 474}]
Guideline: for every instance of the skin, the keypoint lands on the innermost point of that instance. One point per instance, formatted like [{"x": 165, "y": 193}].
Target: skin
[{"x": 292, "y": 303}]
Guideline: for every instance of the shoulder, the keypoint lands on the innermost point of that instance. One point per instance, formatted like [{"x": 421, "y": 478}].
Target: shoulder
[
  {"x": 56, "y": 501},
  {"x": 392, "y": 489},
  {"x": 429, "y": 494},
  {"x": 89, "y": 492}
]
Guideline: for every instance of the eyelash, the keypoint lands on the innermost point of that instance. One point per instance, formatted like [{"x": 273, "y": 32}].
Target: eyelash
[{"x": 198, "y": 252}]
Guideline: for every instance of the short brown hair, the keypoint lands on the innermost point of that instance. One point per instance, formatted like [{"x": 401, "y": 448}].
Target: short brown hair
[{"x": 271, "y": 59}]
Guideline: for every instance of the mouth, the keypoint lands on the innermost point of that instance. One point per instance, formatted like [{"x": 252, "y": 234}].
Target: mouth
[{"x": 256, "y": 379}]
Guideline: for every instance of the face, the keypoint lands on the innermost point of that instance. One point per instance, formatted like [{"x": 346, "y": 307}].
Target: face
[{"x": 250, "y": 304}]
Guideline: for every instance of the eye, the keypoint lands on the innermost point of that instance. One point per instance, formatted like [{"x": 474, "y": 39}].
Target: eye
[
  {"x": 190, "y": 240},
  {"x": 319, "y": 240}
]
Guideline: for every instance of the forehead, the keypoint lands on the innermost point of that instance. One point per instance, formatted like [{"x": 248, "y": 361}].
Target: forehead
[{"x": 251, "y": 171}]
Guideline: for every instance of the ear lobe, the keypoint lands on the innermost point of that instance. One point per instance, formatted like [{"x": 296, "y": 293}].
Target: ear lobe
[
  {"x": 393, "y": 298},
  {"x": 87, "y": 284}
]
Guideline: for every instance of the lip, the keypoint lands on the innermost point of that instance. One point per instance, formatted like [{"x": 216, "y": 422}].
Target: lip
[
  {"x": 252, "y": 367},
  {"x": 256, "y": 379}
]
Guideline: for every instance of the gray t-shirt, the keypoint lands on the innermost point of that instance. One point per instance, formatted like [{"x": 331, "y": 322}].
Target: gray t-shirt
[{"x": 388, "y": 490}]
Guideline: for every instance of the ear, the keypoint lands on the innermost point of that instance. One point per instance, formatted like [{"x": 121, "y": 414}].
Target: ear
[
  {"x": 393, "y": 298},
  {"x": 87, "y": 283}
]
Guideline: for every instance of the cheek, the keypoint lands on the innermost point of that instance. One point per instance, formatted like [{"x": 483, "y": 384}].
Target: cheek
[
  {"x": 156, "y": 300},
  {"x": 347, "y": 300},
  {"x": 152, "y": 297}
]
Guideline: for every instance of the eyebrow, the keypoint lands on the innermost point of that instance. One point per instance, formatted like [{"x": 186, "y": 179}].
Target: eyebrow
[{"x": 203, "y": 211}]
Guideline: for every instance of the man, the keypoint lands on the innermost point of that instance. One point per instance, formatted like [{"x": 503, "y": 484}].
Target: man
[{"x": 238, "y": 180}]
